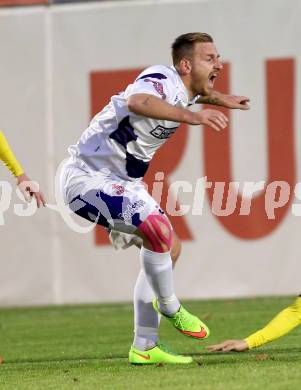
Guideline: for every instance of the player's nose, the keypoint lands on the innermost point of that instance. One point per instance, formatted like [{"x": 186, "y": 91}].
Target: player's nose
[{"x": 218, "y": 64}]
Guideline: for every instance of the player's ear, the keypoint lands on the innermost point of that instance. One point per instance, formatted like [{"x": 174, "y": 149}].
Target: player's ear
[{"x": 185, "y": 66}]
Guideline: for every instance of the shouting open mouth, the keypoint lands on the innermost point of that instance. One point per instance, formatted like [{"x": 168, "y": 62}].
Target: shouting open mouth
[{"x": 211, "y": 79}]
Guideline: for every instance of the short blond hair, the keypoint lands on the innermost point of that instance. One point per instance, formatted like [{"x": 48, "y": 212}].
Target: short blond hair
[{"x": 184, "y": 44}]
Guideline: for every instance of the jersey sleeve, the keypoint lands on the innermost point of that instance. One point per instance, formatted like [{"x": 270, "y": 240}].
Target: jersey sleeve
[
  {"x": 8, "y": 157},
  {"x": 284, "y": 322},
  {"x": 156, "y": 83}
]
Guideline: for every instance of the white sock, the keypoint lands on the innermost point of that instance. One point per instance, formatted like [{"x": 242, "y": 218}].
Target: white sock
[
  {"x": 158, "y": 270},
  {"x": 147, "y": 320}
]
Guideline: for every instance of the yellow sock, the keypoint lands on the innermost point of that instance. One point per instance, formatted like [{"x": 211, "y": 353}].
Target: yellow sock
[
  {"x": 283, "y": 323},
  {"x": 7, "y": 156}
]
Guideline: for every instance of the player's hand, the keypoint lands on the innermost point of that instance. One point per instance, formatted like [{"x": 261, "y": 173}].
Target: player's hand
[
  {"x": 233, "y": 101},
  {"x": 229, "y": 345},
  {"x": 212, "y": 118},
  {"x": 30, "y": 189}
]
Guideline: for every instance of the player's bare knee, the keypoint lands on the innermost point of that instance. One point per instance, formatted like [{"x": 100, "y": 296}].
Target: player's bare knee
[{"x": 157, "y": 232}]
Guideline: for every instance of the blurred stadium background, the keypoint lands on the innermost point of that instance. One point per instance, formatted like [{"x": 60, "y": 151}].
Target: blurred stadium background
[{"x": 59, "y": 64}]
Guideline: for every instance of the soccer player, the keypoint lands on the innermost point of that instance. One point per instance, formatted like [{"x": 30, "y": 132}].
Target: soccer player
[
  {"x": 102, "y": 180},
  {"x": 26, "y": 186},
  {"x": 284, "y": 322}
]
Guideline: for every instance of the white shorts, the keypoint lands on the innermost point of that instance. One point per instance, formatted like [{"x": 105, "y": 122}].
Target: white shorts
[{"x": 105, "y": 199}]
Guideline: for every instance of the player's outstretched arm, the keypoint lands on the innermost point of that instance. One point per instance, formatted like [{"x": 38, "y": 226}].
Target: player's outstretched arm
[
  {"x": 229, "y": 101},
  {"x": 280, "y": 325},
  {"x": 27, "y": 187},
  {"x": 153, "y": 107}
]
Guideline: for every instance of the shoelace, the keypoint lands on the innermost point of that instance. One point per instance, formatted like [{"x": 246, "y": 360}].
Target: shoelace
[{"x": 179, "y": 321}]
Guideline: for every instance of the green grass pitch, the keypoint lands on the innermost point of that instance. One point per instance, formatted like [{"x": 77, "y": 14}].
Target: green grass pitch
[{"x": 86, "y": 346}]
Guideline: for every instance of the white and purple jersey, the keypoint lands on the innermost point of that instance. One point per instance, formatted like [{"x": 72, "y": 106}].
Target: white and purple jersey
[{"x": 124, "y": 142}]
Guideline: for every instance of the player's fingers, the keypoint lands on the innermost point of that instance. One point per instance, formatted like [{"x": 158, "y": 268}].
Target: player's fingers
[
  {"x": 243, "y": 102},
  {"x": 221, "y": 121},
  {"x": 214, "y": 124},
  {"x": 244, "y": 99},
  {"x": 229, "y": 347},
  {"x": 222, "y": 115},
  {"x": 26, "y": 195},
  {"x": 218, "y": 114},
  {"x": 37, "y": 198},
  {"x": 215, "y": 347},
  {"x": 244, "y": 106},
  {"x": 42, "y": 198},
  {"x": 30, "y": 191}
]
